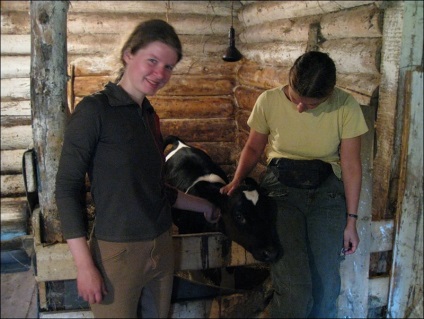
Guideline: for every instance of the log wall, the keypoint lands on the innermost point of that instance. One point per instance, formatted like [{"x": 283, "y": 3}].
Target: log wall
[{"x": 208, "y": 101}]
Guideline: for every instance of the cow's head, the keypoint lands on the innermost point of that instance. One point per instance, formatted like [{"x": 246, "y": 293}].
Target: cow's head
[{"x": 249, "y": 220}]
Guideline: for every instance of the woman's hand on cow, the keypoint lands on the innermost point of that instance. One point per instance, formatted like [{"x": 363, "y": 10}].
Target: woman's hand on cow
[
  {"x": 213, "y": 214},
  {"x": 229, "y": 188}
]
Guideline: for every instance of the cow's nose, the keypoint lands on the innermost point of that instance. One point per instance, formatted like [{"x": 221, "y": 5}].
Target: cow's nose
[{"x": 270, "y": 254}]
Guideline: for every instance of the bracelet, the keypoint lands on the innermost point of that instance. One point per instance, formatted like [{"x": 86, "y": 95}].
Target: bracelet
[{"x": 353, "y": 216}]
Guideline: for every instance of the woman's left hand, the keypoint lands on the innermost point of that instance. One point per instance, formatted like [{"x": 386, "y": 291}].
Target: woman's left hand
[
  {"x": 213, "y": 215},
  {"x": 350, "y": 239}
]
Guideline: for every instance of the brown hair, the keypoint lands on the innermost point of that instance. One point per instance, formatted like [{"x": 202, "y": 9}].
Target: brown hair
[
  {"x": 313, "y": 75},
  {"x": 145, "y": 33}
]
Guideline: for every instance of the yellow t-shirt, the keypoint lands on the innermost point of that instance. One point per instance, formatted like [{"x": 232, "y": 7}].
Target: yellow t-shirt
[{"x": 312, "y": 134}]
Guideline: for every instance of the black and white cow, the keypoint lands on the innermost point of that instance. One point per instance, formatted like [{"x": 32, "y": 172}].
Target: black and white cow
[{"x": 246, "y": 216}]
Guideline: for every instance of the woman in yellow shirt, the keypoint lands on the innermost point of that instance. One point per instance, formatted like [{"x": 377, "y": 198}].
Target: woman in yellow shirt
[{"x": 311, "y": 133}]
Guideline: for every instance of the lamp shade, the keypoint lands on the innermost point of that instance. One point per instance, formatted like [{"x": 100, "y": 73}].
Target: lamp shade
[{"x": 232, "y": 54}]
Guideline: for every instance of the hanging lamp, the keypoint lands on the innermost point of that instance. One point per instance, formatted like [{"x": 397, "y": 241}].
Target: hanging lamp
[{"x": 232, "y": 54}]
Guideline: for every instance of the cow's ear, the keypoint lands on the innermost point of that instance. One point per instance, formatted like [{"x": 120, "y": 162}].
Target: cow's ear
[{"x": 251, "y": 183}]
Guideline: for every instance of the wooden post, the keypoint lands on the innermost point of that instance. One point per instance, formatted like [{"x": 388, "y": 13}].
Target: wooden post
[{"x": 48, "y": 102}]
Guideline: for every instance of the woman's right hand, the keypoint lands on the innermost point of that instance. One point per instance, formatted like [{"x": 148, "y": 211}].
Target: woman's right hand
[
  {"x": 229, "y": 188},
  {"x": 91, "y": 286}
]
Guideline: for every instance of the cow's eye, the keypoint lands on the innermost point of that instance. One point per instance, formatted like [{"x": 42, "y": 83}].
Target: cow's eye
[{"x": 240, "y": 218}]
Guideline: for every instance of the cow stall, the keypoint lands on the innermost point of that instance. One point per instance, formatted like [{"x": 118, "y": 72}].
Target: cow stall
[{"x": 207, "y": 103}]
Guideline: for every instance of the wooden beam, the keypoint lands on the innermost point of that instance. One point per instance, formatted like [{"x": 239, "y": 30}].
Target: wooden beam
[
  {"x": 49, "y": 100},
  {"x": 193, "y": 252}
]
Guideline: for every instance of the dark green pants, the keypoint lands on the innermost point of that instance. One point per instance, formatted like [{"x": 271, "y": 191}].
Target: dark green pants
[{"x": 310, "y": 225}]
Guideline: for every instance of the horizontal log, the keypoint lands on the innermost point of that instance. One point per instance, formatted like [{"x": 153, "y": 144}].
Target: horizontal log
[
  {"x": 242, "y": 117},
  {"x": 114, "y": 23},
  {"x": 246, "y": 97},
  {"x": 13, "y": 120},
  {"x": 15, "y": 108},
  {"x": 362, "y": 83},
  {"x": 220, "y": 8},
  {"x": 216, "y": 130},
  {"x": 360, "y": 55},
  {"x": 19, "y": 44},
  {"x": 17, "y": 137},
  {"x": 89, "y": 65},
  {"x": 197, "y": 45},
  {"x": 12, "y": 185},
  {"x": 362, "y": 22},
  {"x": 290, "y": 30},
  {"x": 263, "y": 11},
  {"x": 193, "y": 107},
  {"x": 15, "y": 66},
  {"x": 15, "y": 89},
  {"x": 361, "y": 98},
  {"x": 177, "y": 86},
  {"x": 14, "y": 215},
  {"x": 11, "y": 161},
  {"x": 275, "y": 54},
  {"x": 265, "y": 77}
]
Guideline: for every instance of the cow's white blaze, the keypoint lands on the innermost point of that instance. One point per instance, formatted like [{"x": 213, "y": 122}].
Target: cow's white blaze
[
  {"x": 253, "y": 196},
  {"x": 180, "y": 146},
  {"x": 211, "y": 178}
]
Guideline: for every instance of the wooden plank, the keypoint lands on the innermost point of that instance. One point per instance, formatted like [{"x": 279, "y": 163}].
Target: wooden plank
[
  {"x": 387, "y": 113},
  {"x": 193, "y": 252},
  {"x": 406, "y": 291},
  {"x": 244, "y": 305},
  {"x": 354, "y": 271},
  {"x": 382, "y": 233},
  {"x": 378, "y": 291}
]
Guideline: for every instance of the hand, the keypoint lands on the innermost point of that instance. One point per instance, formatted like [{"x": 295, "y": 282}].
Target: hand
[
  {"x": 350, "y": 239},
  {"x": 213, "y": 215},
  {"x": 229, "y": 188},
  {"x": 91, "y": 286}
]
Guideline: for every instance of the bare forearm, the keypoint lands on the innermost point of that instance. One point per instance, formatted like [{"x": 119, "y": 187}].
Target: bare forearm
[
  {"x": 80, "y": 251},
  {"x": 249, "y": 157}
]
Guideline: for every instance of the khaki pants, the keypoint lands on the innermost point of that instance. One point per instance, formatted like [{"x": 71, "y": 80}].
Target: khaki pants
[{"x": 137, "y": 275}]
